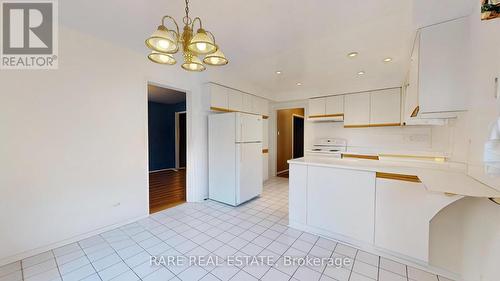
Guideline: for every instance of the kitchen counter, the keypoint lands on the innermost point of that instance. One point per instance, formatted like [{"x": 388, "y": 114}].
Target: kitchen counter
[
  {"x": 382, "y": 205},
  {"x": 445, "y": 177}
]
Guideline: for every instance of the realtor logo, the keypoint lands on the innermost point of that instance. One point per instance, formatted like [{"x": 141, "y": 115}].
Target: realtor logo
[{"x": 29, "y": 35}]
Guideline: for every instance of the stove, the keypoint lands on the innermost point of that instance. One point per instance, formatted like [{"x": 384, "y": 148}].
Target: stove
[{"x": 328, "y": 147}]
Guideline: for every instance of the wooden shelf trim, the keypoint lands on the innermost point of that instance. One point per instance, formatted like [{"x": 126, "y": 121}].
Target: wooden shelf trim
[
  {"x": 399, "y": 177},
  {"x": 373, "y": 125},
  {"x": 220, "y": 109},
  {"x": 327, "y": 115},
  {"x": 360, "y": 156}
]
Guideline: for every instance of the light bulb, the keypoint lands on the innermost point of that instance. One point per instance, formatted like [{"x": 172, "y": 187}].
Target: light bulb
[
  {"x": 163, "y": 44},
  {"x": 201, "y": 46}
]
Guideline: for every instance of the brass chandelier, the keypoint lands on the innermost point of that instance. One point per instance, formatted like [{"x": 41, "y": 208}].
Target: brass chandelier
[{"x": 164, "y": 43}]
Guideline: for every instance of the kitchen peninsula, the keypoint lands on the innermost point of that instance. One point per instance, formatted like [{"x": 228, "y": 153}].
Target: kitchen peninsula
[{"x": 381, "y": 205}]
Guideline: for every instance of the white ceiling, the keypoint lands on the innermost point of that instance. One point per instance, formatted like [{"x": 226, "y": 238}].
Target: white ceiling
[
  {"x": 307, "y": 40},
  {"x": 164, "y": 95}
]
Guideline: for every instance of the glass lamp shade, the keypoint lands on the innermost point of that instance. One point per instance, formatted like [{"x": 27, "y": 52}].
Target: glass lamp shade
[
  {"x": 162, "y": 58},
  {"x": 201, "y": 43},
  {"x": 163, "y": 41},
  {"x": 193, "y": 63},
  {"x": 216, "y": 58}
]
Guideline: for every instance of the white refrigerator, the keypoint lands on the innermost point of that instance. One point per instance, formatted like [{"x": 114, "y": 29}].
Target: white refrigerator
[{"x": 234, "y": 157}]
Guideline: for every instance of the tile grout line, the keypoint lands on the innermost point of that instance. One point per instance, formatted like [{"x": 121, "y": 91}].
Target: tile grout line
[{"x": 90, "y": 262}]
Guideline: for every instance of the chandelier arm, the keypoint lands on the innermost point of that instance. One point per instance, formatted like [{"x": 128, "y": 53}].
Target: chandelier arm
[
  {"x": 199, "y": 20},
  {"x": 176, "y": 25},
  {"x": 212, "y": 35}
]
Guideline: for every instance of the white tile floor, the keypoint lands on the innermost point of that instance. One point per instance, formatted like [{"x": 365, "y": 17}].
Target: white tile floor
[{"x": 209, "y": 229}]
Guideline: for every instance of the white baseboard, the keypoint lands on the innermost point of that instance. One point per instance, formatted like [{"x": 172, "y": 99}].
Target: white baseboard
[
  {"x": 74, "y": 239},
  {"x": 375, "y": 250}
]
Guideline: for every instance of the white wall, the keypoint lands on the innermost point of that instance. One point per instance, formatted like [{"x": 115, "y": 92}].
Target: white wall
[
  {"x": 74, "y": 144},
  {"x": 408, "y": 139}
]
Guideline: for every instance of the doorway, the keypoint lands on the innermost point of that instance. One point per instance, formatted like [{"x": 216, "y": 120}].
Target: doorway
[
  {"x": 290, "y": 138},
  {"x": 297, "y": 136},
  {"x": 167, "y": 147}
]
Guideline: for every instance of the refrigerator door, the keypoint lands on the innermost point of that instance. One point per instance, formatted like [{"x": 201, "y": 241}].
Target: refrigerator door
[
  {"x": 248, "y": 128},
  {"x": 248, "y": 171}
]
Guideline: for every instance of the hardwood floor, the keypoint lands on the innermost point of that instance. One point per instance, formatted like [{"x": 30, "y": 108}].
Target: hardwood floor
[{"x": 166, "y": 189}]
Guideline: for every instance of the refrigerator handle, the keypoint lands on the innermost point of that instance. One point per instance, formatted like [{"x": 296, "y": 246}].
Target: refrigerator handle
[{"x": 241, "y": 154}]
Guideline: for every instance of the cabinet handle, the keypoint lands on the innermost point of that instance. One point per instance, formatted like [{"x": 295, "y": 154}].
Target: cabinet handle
[{"x": 497, "y": 90}]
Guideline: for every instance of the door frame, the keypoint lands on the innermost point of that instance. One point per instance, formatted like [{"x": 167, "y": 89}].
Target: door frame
[
  {"x": 190, "y": 189},
  {"x": 293, "y": 128},
  {"x": 177, "y": 137}
]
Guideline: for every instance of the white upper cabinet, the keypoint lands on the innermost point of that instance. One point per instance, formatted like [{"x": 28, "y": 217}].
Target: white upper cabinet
[
  {"x": 334, "y": 105},
  {"x": 260, "y": 105},
  {"x": 235, "y": 100},
  {"x": 385, "y": 107},
  {"x": 247, "y": 103},
  {"x": 357, "y": 110},
  {"x": 218, "y": 97},
  {"x": 227, "y": 99},
  {"x": 265, "y": 134},
  {"x": 443, "y": 67},
  {"x": 317, "y": 107}
]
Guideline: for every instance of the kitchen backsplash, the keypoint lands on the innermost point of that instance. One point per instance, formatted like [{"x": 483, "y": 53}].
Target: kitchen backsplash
[{"x": 436, "y": 140}]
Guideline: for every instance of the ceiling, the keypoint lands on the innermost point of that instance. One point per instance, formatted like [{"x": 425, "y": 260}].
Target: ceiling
[
  {"x": 307, "y": 40},
  {"x": 164, "y": 95}
]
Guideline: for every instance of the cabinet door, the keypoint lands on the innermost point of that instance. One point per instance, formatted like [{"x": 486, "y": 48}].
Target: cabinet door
[
  {"x": 247, "y": 103},
  {"x": 317, "y": 107},
  {"x": 400, "y": 218},
  {"x": 443, "y": 73},
  {"x": 218, "y": 97},
  {"x": 385, "y": 107},
  {"x": 235, "y": 100},
  {"x": 297, "y": 205},
  {"x": 334, "y": 105},
  {"x": 357, "y": 110},
  {"x": 337, "y": 205},
  {"x": 264, "y": 107}
]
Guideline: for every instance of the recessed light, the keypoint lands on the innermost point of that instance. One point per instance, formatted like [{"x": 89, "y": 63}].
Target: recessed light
[
  {"x": 387, "y": 59},
  {"x": 361, "y": 72},
  {"x": 299, "y": 84},
  {"x": 352, "y": 54},
  {"x": 278, "y": 72}
]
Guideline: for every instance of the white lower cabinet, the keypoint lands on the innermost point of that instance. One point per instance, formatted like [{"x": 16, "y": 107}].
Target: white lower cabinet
[
  {"x": 402, "y": 224},
  {"x": 341, "y": 201},
  {"x": 297, "y": 204}
]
